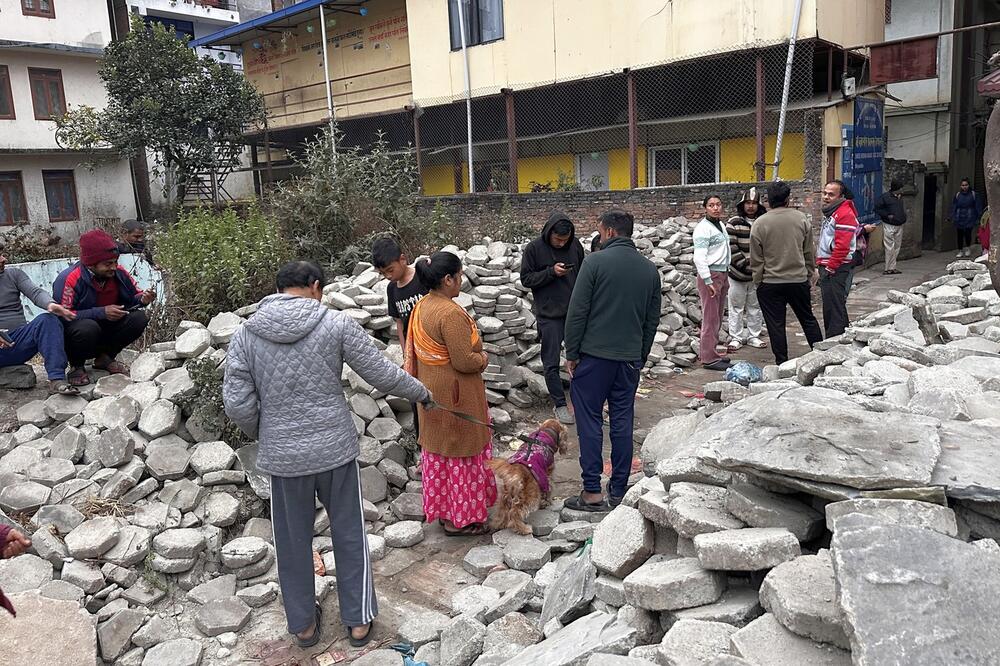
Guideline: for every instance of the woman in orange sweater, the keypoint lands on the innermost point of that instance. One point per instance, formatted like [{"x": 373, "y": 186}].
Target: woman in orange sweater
[{"x": 445, "y": 352}]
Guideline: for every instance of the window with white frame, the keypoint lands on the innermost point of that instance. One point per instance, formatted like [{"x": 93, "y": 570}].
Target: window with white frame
[{"x": 687, "y": 164}]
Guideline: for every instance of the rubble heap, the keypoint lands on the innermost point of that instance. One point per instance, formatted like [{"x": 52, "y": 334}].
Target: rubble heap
[
  {"x": 501, "y": 305},
  {"x": 797, "y": 521},
  {"x": 128, "y": 495}
]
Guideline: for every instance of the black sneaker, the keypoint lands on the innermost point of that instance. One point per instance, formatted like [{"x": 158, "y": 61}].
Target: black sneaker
[{"x": 721, "y": 365}]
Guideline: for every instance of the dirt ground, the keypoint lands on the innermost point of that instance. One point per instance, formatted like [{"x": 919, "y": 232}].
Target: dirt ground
[{"x": 426, "y": 576}]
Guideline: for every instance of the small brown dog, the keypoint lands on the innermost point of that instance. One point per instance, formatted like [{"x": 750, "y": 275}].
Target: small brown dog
[{"x": 524, "y": 477}]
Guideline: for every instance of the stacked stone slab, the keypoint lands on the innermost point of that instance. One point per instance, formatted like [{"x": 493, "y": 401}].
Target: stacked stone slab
[
  {"x": 493, "y": 294},
  {"x": 856, "y": 480},
  {"x": 130, "y": 495}
]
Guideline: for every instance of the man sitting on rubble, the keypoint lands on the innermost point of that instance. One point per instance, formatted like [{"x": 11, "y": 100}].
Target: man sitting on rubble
[
  {"x": 20, "y": 339},
  {"x": 107, "y": 305}
]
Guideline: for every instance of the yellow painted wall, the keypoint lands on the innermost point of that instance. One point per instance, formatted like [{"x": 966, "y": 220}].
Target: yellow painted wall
[
  {"x": 737, "y": 156},
  {"x": 555, "y": 40},
  {"x": 287, "y": 67},
  {"x": 618, "y": 171},
  {"x": 438, "y": 179},
  {"x": 544, "y": 169}
]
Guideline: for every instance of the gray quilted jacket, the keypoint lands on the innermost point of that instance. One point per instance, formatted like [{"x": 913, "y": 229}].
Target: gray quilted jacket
[{"x": 282, "y": 384}]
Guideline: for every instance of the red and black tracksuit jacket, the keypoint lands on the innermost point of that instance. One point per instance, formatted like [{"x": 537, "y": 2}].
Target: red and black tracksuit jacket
[{"x": 74, "y": 289}]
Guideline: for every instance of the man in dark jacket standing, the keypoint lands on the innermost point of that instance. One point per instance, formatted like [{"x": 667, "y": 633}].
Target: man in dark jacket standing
[
  {"x": 610, "y": 326},
  {"x": 549, "y": 266},
  {"x": 892, "y": 213}
]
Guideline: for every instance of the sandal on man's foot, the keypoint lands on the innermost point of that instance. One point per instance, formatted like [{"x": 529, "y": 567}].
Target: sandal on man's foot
[
  {"x": 113, "y": 367},
  {"x": 62, "y": 387},
  {"x": 473, "y": 529},
  {"x": 364, "y": 640},
  {"x": 579, "y": 504},
  {"x": 314, "y": 639},
  {"x": 78, "y": 377}
]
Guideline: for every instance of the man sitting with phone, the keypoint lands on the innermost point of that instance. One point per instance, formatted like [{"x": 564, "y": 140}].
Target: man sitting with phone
[
  {"x": 549, "y": 266},
  {"x": 20, "y": 339},
  {"x": 107, "y": 304}
]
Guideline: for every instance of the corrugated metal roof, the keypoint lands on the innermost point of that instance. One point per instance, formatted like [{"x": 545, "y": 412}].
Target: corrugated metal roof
[
  {"x": 283, "y": 18},
  {"x": 989, "y": 85}
]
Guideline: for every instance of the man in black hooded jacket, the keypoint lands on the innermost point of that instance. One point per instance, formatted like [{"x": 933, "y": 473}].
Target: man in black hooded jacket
[{"x": 549, "y": 266}]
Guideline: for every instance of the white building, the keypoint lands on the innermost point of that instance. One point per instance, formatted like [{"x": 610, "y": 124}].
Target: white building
[
  {"x": 919, "y": 126},
  {"x": 48, "y": 63},
  {"x": 194, "y": 18}
]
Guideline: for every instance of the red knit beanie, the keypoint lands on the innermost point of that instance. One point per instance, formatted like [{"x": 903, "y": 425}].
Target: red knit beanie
[{"x": 97, "y": 246}]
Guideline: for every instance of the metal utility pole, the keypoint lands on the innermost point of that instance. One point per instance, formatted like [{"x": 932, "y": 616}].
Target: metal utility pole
[
  {"x": 326, "y": 81},
  {"x": 788, "y": 83},
  {"x": 468, "y": 95}
]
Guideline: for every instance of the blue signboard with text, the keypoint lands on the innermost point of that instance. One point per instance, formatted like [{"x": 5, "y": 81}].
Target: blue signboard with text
[{"x": 863, "y": 155}]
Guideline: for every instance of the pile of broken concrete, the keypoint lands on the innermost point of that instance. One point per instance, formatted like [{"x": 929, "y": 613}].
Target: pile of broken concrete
[
  {"x": 141, "y": 516},
  {"x": 832, "y": 515},
  {"x": 501, "y": 305}
]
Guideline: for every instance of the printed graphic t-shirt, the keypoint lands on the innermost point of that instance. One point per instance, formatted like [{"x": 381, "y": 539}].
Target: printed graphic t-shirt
[{"x": 402, "y": 300}]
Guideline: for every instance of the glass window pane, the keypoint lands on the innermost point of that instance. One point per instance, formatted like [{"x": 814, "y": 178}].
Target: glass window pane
[
  {"x": 6, "y": 103},
  {"x": 69, "y": 201},
  {"x": 39, "y": 98},
  {"x": 453, "y": 28},
  {"x": 57, "y": 105},
  {"x": 490, "y": 20},
  {"x": 46, "y": 5},
  {"x": 666, "y": 166},
  {"x": 700, "y": 164},
  {"x": 4, "y": 205}
]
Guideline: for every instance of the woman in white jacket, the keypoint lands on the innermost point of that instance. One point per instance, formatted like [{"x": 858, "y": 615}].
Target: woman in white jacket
[{"x": 711, "y": 259}]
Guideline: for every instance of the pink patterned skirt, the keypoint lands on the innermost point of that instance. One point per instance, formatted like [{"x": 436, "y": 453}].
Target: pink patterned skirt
[{"x": 458, "y": 489}]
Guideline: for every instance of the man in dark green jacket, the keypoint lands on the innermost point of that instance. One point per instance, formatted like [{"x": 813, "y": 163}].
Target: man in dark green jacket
[{"x": 612, "y": 318}]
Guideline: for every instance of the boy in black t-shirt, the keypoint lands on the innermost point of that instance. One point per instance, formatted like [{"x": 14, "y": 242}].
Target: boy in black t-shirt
[{"x": 404, "y": 288}]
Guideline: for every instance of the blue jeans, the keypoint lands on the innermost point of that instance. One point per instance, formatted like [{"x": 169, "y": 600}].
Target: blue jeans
[
  {"x": 43, "y": 334},
  {"x": 597, "y": 381}
]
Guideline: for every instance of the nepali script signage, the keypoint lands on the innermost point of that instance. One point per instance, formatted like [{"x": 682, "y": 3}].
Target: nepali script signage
[
  {"x": 869, "y": 141},
  {"x": 863, "y": 156}
]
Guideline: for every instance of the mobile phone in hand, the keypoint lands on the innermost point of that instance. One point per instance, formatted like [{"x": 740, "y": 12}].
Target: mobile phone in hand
[
  {"x": 137, "y": 306},
  {"x": 6, "y": 337},
  {"x": 569, "y": 267}
]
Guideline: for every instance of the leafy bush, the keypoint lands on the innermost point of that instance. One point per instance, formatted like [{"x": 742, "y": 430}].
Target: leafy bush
[
  {"x": 205, "y": 404},
  {"x": 219, "y": 261},
  {"x": 344, "y": 196}
]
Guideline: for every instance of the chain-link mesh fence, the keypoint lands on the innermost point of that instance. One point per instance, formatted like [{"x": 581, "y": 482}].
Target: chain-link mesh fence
[{"x": 713, "y": 118}]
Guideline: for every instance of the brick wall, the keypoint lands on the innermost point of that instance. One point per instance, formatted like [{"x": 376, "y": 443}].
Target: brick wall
[
  {"x": 651, "y": 205},
  {"x": 646, "y": 205}
]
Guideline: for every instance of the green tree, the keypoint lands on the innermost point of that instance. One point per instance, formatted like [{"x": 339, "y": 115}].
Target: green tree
[
  {"x": 189, "y": 112},
  {"x": 343, "y": 198}
]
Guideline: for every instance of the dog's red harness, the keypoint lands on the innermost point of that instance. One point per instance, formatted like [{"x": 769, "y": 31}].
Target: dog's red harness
[{"x": 537, "y": 454}]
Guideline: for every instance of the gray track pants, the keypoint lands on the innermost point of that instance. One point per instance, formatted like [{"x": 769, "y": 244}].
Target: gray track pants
[{"x": 292, "y": 513}]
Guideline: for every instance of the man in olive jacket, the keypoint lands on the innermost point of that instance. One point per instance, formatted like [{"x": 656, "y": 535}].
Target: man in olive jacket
[{"x": 612, "y": 318}]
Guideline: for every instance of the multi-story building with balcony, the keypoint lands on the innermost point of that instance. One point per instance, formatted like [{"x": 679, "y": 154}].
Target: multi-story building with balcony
[
  {"x": 658, "y": 99},
  {"x": 48, "y": 63}
]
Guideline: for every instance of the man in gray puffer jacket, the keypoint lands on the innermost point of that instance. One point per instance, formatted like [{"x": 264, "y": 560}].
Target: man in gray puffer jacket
[{"x": 283, "y": 386}]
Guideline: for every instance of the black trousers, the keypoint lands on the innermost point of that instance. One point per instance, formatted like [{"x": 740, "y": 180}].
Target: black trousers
[
  {"x": 90, "y": 338},
  {"x": 551, "y": 333},
  {"x": 774, "y": 299},
  {"x": 964, "y": 237},
  {"x": 833, "y": 287}
]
